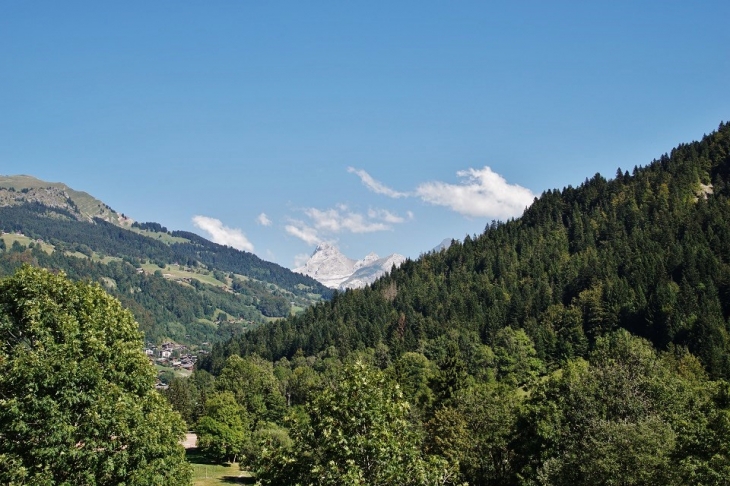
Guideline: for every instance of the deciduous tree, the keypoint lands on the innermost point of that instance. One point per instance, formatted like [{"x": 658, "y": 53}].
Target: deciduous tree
[
  {"x": 355, "y": 432},
  {"x": 77, "y": 402}
]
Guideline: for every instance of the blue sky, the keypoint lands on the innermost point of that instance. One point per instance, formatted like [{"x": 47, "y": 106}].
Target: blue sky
[{"x": 378, "y": 126}]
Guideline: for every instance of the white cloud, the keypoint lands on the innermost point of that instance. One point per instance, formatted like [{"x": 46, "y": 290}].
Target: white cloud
[
  {"x": 375, "y": 186},
  {"x": 482, "y": 193},
  {"x": 387, "y": 216},
  {"x": 223, "y": 235},
  {"x": 324, "y": 224},
  {"x": 303, "y": 232},
  {"x": 356, "y": 223},
  {"x": 328, "y": 220},
  {"x": 263, "y": 220},
  {"x": 341, "y": 219}
]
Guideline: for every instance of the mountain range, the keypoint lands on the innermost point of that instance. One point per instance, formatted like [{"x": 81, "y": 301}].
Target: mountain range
[
  {"x": 331, "y": 268},
  {"x": 177, "y": 284}
]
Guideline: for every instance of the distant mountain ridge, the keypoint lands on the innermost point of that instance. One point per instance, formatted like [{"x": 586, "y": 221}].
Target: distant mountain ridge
[
  {"x": 335, "y": 270},
  {"x": 178, "y": 285},
  {"x": 23, "y": 189}
]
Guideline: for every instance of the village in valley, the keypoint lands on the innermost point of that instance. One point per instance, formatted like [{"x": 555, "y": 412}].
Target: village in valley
[{"x": 170, "y": 356}]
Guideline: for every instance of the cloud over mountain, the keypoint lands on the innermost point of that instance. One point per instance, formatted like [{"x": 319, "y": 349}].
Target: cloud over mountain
[
  {"x": 341, "y": 219},
  {"x": 223, "y": 235},
  {"x": 481, "y": 193},
  {"x": 478, "y": 193},
  {"x": 305, "y": 233},
  {"x": 327, "y": 223}
]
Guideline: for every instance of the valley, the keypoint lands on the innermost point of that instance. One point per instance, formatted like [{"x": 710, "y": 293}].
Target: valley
[
  {"x": 180, "y": 286},
  {"x": 365, "y": 243},
  {"x": 546, "y": 347}
]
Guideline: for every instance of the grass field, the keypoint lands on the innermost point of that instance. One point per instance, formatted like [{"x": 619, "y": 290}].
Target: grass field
[
  {"x": 163, "y": 237},
  {"x": 25, "y": 241},
  {"x": 206, "y": 473},
  {"x": 176, "y": 272},
  {"x": 181, "y": 373}
]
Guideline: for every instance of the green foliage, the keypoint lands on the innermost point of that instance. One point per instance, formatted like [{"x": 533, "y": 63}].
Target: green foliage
[
  {"x": 164, "y": 309},
  {"x": 185, "y": 398},
  {"x": 512, "y": 352},
  {"x": 625, "y": 417},
  {"x": 355, "y": 432},
  {"x": 626, "y": 414},
  {"x": 414, "y": 372},
  {"x": 267, "y": 435},
  {"x": 182, "y": 311},
  {"x": 252, "y": 382},
  {"x": 224, "y": 428},
  {"x": 517, "y": 361},
  {"x": 77, "y": 403},
  {"x": 475, "y": 431},
  {"x": 299, "y": 383}
]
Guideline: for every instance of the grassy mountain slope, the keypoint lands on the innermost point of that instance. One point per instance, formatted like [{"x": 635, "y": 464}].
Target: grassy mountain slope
[
  {"x": 648, "y": 251},
  {"x": 178, "y": 285},
  {"x": 22, "y": 189}
]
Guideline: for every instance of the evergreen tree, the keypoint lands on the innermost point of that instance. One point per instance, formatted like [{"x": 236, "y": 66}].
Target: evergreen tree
[{"x": 355, "y": 432}]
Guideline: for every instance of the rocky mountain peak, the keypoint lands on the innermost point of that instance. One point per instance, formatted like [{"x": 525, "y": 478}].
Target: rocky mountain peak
[{"x": 335, "y": 270}]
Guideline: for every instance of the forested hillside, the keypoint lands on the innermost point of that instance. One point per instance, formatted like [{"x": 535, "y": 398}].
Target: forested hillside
[
  {"x": 583, "y": 343},
  {"x": 178, "y": 285},
  {"x": 648, "y": 251}
]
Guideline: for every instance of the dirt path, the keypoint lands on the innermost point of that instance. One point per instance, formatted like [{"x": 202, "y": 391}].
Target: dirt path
[{"x": 190, "y": 441}]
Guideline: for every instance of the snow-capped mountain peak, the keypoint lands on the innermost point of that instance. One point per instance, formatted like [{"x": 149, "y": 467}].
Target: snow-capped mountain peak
[
  {"x": 328, "y": 266},
  {"x": 369, "y": 258},
  {"x": 333, "y": 269}
]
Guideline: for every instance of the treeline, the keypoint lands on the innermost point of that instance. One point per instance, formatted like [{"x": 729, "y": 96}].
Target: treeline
[
  {"x": 150, "y": 226},
  {"x": 231, "y": 260},
  {"x": 190, "y": 312},
  {"x": 648, "y": 251}
]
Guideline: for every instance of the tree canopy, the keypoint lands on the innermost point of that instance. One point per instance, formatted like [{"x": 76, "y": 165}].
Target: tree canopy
[
  {"x": 77, "y": 402},
  {"x": 354, "y": 432}
]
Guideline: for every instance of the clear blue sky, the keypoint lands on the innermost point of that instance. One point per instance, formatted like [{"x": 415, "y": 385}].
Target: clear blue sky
[{"x": 380, "y": 126}]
